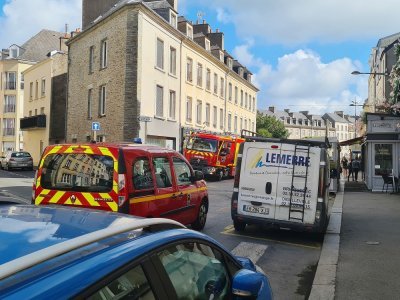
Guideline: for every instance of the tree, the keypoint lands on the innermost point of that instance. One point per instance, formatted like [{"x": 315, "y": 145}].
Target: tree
[
  {"x": 269, "y": 126},
  {"x": 393, "y": 105}
]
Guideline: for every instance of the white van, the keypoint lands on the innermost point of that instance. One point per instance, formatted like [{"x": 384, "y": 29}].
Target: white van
[{"x": 283, "y": 183}]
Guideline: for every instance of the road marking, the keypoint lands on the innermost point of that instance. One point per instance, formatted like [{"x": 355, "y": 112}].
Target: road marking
[
  {"x": 250, "y": 250},
  {"x": 229, "y": 230}
]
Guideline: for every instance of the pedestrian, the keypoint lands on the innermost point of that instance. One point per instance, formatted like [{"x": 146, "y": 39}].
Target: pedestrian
[
  {"x": 355, "y": 165},
  {"x": 344, "y": 165},
  {"x": 350, "y": 169}
]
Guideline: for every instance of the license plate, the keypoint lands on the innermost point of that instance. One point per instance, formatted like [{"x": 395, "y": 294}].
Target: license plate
[{"x": 256, "y": 209}]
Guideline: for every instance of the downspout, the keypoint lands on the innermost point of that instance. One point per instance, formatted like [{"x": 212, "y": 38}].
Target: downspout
[{"x": 180, "y": 97}]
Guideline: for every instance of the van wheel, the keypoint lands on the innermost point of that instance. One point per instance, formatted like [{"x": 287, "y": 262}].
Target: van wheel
[
  {"x": 239, "y": 226},
  {"x": 201, "y": 218}
]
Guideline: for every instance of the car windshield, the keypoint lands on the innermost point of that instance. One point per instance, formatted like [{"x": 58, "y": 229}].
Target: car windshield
[
  {"x": 20, "y": 154},
  {"x": 202, "y": 144},
  {"x": 78, "y": 172}
]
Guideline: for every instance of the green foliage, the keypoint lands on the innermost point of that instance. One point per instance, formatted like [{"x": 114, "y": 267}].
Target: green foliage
[
  {"x": 394, "y": 79},
  {"x": 269, "y": 126}
]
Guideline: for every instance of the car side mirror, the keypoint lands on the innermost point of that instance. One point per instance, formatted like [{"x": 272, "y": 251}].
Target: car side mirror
[
  {"x": 198, "y": 175},
  {"x": 248, "y": 284}
]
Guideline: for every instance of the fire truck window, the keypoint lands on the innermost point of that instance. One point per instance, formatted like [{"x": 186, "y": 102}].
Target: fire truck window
[
  {"x": 142, "y": 178},
  {"x": 202, "y": 144},
  {"x": 182, "y": 172},
  {"x": 162, "y": 171}
]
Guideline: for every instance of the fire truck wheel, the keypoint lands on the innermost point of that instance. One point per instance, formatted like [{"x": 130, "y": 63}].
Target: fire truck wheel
[
  {"x": 239, "y": 226},
  {"x": 200, "y": 221}
]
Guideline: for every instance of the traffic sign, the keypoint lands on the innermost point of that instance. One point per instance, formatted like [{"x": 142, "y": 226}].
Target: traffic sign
[
  {"x": 144, "y": 119},
  {"x": 96, "y": 126}
]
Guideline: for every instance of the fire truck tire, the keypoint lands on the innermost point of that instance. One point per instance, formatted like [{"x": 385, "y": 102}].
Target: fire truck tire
[
  {"x": 201, "y": 218},
  {"x": 239, "y": 226}
]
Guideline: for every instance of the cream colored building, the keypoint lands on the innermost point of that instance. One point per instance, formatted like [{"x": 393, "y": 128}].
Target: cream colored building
[
  {"x": 146, "y": 73},
  {"x": 38, "y": 107}
]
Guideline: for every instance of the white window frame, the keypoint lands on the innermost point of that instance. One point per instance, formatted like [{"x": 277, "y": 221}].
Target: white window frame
[
  {"x": 222, "y": 88},
  {"x": 230, "y": 91},
  {"x": 221, "y": 118},
  {"x": 172, "y": 61},
  {"x": 172, "y": 105},
  {"x": 89, "y": 104},
  {"x": 91, "y": 59},
  {"x": 160, "y": 54},
  {"x": 199, "y": 75},
  {"x": 229, "y": 122},
  {"x": 104, "y": 54},
  {"x": 189, "y": 69},
  {"x": 216, "y": 83},
  {"x": 159, "y": 109},
  {"x": 208, "y": 112},
  {"x": 43, "y": 87},
  {"x": 215, "y": 116},
  {"x": 236, "y": 95},
  {"x": 208, "y": 79},
  {"x": 189, "y": 109},
  {"x": 102, "y": 100},
  {"x": 199, "y": 112}
]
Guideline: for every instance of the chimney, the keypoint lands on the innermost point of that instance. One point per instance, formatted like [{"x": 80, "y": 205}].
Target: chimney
[
  {"x": 271, "y": 109},
  {"x": 287, "y": 110},
  {"x": 339, "y": 113}
]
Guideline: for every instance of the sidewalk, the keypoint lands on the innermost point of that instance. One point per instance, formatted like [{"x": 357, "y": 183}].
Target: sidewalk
[{"x": 360, "y": 257}]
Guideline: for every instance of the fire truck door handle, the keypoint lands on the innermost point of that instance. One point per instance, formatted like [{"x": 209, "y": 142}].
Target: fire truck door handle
[{"x": 268, "y": 188}]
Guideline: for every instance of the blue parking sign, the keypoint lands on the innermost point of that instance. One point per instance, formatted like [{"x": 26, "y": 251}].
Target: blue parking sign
[{"x": 95, "y": 126}]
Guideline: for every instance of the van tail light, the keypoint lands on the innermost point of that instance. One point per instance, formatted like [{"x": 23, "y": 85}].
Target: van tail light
[
  {"x": 122, "y": 191},
  {"x": 34, "y": 187},
  {"x": 321, "y": 183}
]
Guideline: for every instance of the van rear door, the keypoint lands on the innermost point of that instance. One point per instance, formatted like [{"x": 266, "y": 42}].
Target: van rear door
[
  {"x": 258, "y": 179},
  {"x": 303, "y": 162}
]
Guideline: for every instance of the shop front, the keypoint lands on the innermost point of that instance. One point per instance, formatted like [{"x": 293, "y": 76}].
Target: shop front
[{"x": 382, "y": 150}]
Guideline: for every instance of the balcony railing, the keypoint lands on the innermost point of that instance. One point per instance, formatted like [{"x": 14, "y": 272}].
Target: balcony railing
[{"x": 34, "y": 122}]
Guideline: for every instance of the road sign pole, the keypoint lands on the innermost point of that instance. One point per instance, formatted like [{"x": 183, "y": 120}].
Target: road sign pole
[{"x": 95, "y": 135}]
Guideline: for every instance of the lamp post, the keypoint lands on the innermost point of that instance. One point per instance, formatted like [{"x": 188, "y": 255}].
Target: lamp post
[
  {"x": 371, "y": 73},
  {"x": 355, "y": 103}
]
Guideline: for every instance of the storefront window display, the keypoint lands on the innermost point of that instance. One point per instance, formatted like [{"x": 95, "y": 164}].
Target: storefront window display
[{"x": 383, "y": 159}]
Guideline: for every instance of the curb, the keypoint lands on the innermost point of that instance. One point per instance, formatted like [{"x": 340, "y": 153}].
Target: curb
[{"x": 325, "y": 277}]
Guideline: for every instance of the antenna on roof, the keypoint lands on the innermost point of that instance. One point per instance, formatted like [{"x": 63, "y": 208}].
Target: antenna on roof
[{"x": 200, "y": 16}]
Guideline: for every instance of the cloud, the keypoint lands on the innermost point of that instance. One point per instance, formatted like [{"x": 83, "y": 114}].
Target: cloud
[
  {"x": 302, "y": 81},
  {"x": 297, "y": 22},
  {"x": 22, "y": 19}
]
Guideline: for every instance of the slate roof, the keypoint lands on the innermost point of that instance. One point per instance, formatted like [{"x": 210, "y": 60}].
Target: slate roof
[
  {"x": 386, "y": 41},
  {"x": 335, "y": 118},
  {"x": 38, "y": 46}
]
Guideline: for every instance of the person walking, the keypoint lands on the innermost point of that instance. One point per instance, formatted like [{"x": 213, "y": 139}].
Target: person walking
[
  {"x": 350, "y": 169},
  {"x": 355, "y": 165},
  {"x": 344, "y": 166}
]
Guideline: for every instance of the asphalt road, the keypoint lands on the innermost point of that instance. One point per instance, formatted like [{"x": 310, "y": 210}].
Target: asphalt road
[{"x": 289, "y": 258}]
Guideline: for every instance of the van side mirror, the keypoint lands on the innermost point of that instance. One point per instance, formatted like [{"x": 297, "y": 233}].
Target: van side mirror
[
  {"x": 247, "y": 284},
  {"x": 198, "y": 175}
]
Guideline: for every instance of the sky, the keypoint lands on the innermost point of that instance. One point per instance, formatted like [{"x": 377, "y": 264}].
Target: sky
[{"x": 301, "y": 52}]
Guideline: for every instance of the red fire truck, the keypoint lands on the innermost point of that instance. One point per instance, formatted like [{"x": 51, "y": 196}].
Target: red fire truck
[{"x": 214, "y": 155}]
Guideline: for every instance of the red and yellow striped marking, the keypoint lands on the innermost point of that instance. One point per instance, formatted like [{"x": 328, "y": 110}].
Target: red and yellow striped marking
[
  {"x": 164, "y": 196},
  {"x": 194, "y": 152}
]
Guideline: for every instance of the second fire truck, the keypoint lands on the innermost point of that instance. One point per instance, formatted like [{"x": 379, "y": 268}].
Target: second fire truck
[{"x": 214, "y": 155}]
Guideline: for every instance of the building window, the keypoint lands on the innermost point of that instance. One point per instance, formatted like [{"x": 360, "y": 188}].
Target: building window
[
  {"x": 199, "y": 75},
  {"x": 43, "y": 88},
  {"x": 102, "y": 100},
  {"x": 190, "y": 31},
  {"x": 8, "y": 126},
  {"x": 11, "y": 80},
  {"x": 172, "y": 104},
  {"x": 91, "y": 59},
  {"x": 37, "y": 90},
  {"x": 9, "y": 104},
  {"x": 235, "y": 123},
  {"x": 104, "y": 54},
  {"x": 236, "y": 95},
  {"x": 254, "y": 104},
  {"x": 245, "y": 123},
  {"x": 249, "y": 103},
  {"x": 222, "y": 90},
  {"x": 383, "y": 159},
  {"x": 160, "y": 54},
  {"x": 241, "y": 98},
  {"x": 229, "y": 122},
  {"x": 208, "y": 108},
  {"x": 221, "y": 118},
  {"x": 230, "y": 91},
  {"x": 215, "y": 83},
  {"x": 89, "y": 103},
  {"x": 189, "y": 70},
  {"x": 199, "y": 108},
  {"x": 31, "y": 91},
  {"x": 160, "y": 101},
  {"x": 208, "y": 80},
  {"x": 173, "y": 19},
  {"x": 215, "y": 116},
  {"x": 22, "y": 83},
  {"x": 189, "y": 109},
  {"x": 245, "y": 100},
  {"x": 241, "y": 124},
  {"x": 207, "y": 45},
  {"x": 42, "y": 110},
  {"x": 172, "y": 61}
]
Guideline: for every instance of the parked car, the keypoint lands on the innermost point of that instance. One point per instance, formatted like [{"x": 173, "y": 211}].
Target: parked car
[
  {"x": 142, "y": 180},
  {"x": 17, "y": 159},
  {"x": 55, "y": 252}
]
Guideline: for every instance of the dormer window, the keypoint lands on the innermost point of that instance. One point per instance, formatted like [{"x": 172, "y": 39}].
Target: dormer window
[
  {"x": 221, "y": 56},
  {"x": 14, "y": 51},
  {"x": 248, "y": 77},
  {"x": 207, "y": 44},
  {"x": 172, "y": 19},
  {"x": 241, "y": 71},
  {"x": 189, "y": 30},
  {"x": 229, "y": 63}
]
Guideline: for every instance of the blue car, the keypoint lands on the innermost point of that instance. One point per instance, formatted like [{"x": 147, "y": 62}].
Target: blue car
[{"x": 62, "y": 253}]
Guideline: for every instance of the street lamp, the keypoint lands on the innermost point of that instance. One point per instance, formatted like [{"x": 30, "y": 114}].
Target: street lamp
[
  {"x": 371, "y": 73},
  {"x": 355, "y": 103}
]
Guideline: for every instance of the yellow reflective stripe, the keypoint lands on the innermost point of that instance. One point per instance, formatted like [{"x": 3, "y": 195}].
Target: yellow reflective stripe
[
  {"x": 115, "y": 187},
  {"x": 39, "y": 199},
  {"x": 164, "y": 196},
  {"x": 90, "y": 199},
  {"x": 88, "y": 150},
  {"x": 113, "y": 205},
  {"x": 107, "y": 152},
  {"x": 57, "y": 196},
  {"x": 76, "y": 202},
  {"x": 54, "y": 150}
]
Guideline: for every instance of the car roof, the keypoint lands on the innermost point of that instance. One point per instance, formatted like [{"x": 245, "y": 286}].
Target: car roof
[{"x": 36, "y": 234}]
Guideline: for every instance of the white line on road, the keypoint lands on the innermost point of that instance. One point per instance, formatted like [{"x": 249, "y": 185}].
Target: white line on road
[{"x": 250, "y": 250}]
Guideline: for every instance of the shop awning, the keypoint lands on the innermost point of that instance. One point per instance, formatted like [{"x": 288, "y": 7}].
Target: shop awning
[{"x": 356, "y": 141}]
